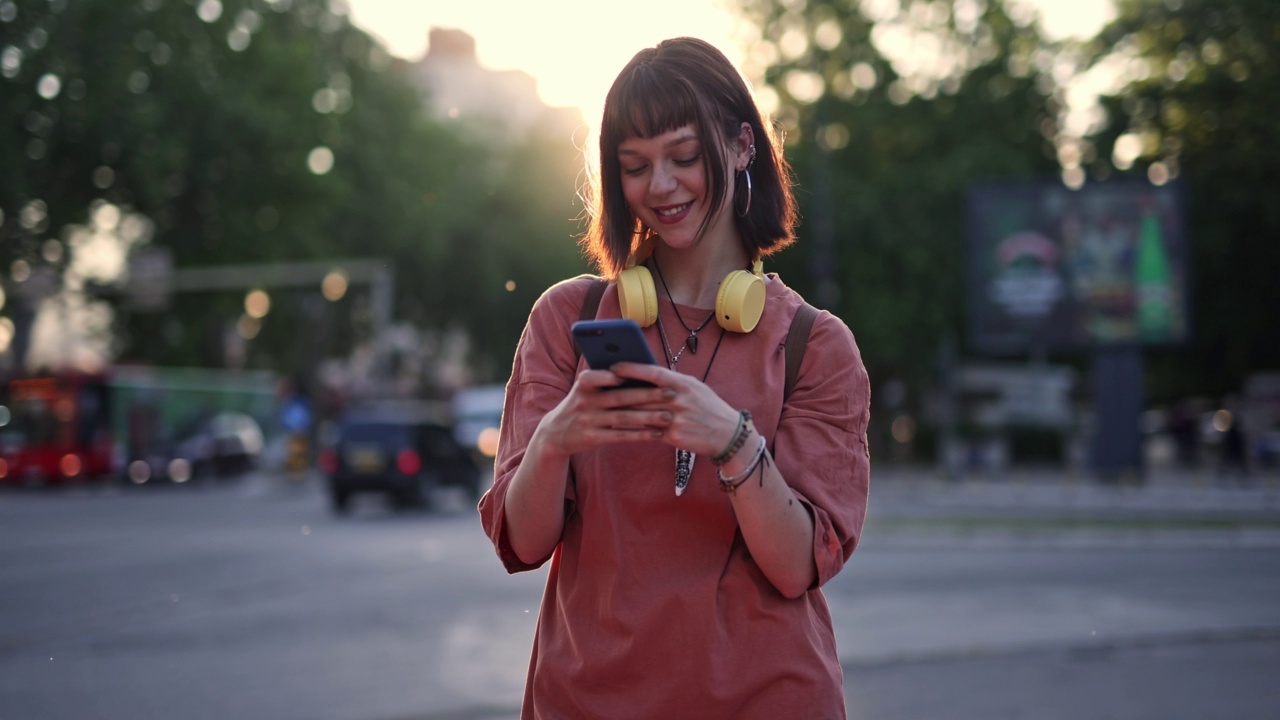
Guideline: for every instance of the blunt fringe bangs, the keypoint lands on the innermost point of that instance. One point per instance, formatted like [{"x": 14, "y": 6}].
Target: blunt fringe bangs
[
  {"x": 685, "y": 81},
  {"x": 644, "y": 104}
]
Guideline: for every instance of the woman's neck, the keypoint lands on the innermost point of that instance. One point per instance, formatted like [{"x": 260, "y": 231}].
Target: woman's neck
[{"x": 693, "y": 275}]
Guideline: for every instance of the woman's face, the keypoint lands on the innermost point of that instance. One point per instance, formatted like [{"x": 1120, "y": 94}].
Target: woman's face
[{"x": 666, "y": 186}]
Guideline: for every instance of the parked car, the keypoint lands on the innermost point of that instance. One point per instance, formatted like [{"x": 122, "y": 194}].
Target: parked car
[
  {"x": 405, "y": 451},
  {"x": 478, "y": 411},
  {"x": 227, "y": 443},
  {"x": 222, "y": 444}
]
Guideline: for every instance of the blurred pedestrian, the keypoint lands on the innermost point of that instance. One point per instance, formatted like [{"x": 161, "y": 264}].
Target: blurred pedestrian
[
  {"x": 1182, "y": 426},
  {"x": 689, "y": 526},
  {"x": 1233, "y": 463}
]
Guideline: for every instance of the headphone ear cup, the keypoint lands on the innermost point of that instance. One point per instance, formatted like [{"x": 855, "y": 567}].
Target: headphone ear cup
[
  {"x": 740, "y": 301},
  {"x": 638, "y": 296}
]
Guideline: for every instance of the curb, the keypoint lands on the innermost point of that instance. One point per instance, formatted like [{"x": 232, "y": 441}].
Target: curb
[{"x": 1264, "y": 633}]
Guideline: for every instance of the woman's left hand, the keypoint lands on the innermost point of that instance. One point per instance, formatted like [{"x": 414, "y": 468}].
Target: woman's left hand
[{"x": 701, "y": 421}]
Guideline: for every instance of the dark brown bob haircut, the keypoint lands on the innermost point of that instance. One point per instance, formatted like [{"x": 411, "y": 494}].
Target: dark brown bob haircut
[{"x": 686, "y": 81}]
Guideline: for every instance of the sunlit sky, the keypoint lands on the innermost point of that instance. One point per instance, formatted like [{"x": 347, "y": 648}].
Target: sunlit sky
[{"x": 574, "y": 48}]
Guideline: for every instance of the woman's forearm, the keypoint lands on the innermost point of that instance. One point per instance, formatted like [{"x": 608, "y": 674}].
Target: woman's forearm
[
  {"x": 777, "y": 527},
  {"x": 534, "y": 502}
]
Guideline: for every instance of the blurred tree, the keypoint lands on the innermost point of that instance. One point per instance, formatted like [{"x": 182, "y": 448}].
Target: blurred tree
[
  {"x": 892, "y": 110},
  {"x": 1198, "y": 101},
  {"x": 263, "y": 131},
  {"x": 519, "y": 242}
]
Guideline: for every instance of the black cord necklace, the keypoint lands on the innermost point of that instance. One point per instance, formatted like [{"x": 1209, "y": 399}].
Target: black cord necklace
[
  {"x": 671, "y": 361},
  {"x": 685, "y": 458},
  {"x": 692, "y": 341}
]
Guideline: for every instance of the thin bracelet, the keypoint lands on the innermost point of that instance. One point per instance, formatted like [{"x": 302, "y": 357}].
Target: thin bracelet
[
  {"x": 731, "y": 484},
  {"x": 740, "y": 435}
]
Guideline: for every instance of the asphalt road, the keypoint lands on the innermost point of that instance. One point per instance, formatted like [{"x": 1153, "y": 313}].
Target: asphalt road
[{"x": 249, "y": 600}]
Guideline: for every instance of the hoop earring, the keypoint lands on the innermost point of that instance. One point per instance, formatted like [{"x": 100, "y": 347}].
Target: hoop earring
[{"x": 746, "y": 172}]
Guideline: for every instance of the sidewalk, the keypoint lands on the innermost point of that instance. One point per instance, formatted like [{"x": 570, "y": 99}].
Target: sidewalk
[
  {"x": 898, "y": 488},
  {"x": 1052, "y": 507},
  {"x": 1043, "y": 595}
]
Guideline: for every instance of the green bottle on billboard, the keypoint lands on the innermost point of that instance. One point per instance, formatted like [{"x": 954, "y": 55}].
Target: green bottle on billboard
[{"x": 1152, "y": 283}]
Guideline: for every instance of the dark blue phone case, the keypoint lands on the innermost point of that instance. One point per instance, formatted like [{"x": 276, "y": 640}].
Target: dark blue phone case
[{"x": 606, "y": 342}]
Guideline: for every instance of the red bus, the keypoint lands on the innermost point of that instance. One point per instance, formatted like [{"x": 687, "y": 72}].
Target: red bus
[
  {"x": 65, "y": 427},
  {"x": 55, "y": 429}
]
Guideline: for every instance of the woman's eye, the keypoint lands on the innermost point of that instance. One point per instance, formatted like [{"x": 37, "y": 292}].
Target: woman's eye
[
  {"x": 689, "y": 161},
  {"x": 633, "y": 171}
]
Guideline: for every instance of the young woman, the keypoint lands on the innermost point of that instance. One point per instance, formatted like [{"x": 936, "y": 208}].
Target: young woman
[{"x": 689, "y": 525}]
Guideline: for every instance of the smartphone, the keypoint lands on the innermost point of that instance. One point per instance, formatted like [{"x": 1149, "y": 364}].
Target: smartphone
[{"x": 605, "y": 342}]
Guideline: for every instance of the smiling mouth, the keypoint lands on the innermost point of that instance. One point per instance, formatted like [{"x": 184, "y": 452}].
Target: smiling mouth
[{"x": 672, "y": 211}]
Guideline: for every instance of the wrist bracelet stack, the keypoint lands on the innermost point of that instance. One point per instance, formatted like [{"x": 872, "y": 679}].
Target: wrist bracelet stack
[
  {"x": 740, "y": 436},
  {"x": 731, "y": 484}
]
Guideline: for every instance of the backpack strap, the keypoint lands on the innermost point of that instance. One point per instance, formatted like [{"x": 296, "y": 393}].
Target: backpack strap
[
  {"x": 590, "y": 304},
  {"x": 797, "y": 340}
]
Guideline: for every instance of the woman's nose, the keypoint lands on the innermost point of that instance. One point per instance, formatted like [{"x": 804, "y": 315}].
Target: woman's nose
[{"x": 661, "y": 181}]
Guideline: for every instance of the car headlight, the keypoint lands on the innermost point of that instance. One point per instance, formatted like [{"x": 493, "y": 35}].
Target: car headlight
[{"x": 487, "y": 442}]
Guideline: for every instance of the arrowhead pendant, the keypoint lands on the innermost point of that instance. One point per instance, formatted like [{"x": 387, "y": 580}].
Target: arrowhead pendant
[
  {"x": 684, "y": 470},
  {"x": 692, "y": 342}
]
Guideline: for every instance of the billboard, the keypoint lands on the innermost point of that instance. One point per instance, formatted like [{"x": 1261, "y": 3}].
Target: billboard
[{"x": 1055, "y": 268}]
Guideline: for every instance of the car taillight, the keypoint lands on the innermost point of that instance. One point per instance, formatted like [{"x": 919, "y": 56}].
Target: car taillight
[
  {"x": 328, "y": 461},
  {"x": 408, "y": 462},
  {"x": 70, "y": 465}
]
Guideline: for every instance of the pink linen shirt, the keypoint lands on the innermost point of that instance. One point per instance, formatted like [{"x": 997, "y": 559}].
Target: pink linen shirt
[{"x": 654, "y": 608}]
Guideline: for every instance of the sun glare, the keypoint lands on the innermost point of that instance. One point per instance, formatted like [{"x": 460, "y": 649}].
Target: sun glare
[{"x": 574, "y": 48}]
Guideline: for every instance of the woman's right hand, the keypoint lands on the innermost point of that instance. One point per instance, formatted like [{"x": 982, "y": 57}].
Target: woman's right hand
[{"x": 596, "y": 413}]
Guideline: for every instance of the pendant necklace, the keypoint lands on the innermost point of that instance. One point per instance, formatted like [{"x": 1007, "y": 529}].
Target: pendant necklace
[
  {"x": 691, "y": 342},
  {"x": 684, "y": 458}
]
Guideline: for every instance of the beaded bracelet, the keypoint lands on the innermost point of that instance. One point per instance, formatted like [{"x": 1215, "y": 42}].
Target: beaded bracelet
[
  {"x": 731, "y": 484},
  {"x": 740, "y": 436}
]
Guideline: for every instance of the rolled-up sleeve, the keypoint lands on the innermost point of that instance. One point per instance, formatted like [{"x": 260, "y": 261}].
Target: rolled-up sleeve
[
  {"x": 541, "y": 375},
  {"x": 821, "y": 442}
]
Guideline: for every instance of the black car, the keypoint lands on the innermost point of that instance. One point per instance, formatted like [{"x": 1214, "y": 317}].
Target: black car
[{"x": 405, "y": 454}]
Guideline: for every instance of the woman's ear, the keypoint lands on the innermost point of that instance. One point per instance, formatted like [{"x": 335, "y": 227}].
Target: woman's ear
[{"x": 745, "y": 147}]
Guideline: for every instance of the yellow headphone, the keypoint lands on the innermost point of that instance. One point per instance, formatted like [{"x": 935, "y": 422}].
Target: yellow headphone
[{"x": 739, "y": 302}]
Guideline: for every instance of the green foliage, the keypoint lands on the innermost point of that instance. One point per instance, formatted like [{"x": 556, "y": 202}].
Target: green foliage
[
  {"x": 204, "y": 122},
  {"x": 1201, "y": 100},
  {"x": 885, "y": 155},
  {"x": 207, "y": 118},
  {"x": 883, "y": 170},
  {"x": 516, "y": 241}
]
